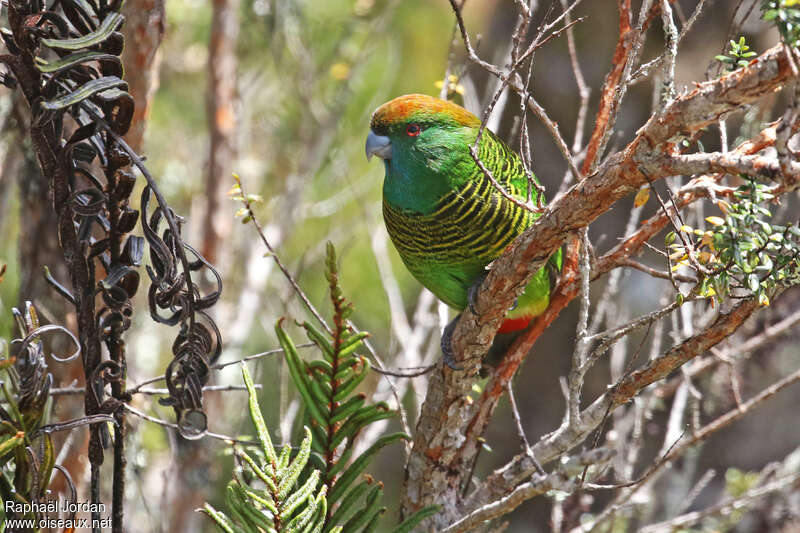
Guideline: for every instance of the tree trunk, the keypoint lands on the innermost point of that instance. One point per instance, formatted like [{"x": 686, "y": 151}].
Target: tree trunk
[
  {"x": 144, "y": 30},
  {"x": 222, "y": 66}
]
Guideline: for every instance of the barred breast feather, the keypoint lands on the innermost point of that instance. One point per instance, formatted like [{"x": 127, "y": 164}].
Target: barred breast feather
[{"x": 447, "y": 249}]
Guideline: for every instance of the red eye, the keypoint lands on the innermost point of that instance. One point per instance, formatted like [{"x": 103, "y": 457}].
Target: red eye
[{"x": 413, "y": 130}]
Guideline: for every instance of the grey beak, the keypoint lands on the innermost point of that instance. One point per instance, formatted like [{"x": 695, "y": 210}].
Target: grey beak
[{"x": 378, "y": 145}]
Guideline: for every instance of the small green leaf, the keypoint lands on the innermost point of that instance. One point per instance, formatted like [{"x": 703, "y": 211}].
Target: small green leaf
[
  {"x": 355, "y": 423},
  {"x": 352, "y": 472},
  {"x": 316, "y": 336},
  {"x": 294, "y": 364},
  {"x": 283, "y": 458},
  {"x": 372, "y": 525},
  {"x": 219, "y": 518},
  {"x": 289, "y": 476},
  {"x": 257, "y": 418},
  {"x": 361, "y": 518},
  {"x": 415, "y": 519},
  {"x": 352, "y": 344},
  {"x": 348, "y": 408},
  {"x": 346, "y": 389},
  {"x": 268, "y": 503},
  {"x": 249, "y": 511},
  {"x": 321, "y": 365},
  {"x": 321, "y": 393},
  {"x": 343, "y": 461},
  {"x": 263, "y": 476},
  {"x": 343, "y": 511},
  {"x": 345, "y": 369},
  {"x": 299, "y": 496}
]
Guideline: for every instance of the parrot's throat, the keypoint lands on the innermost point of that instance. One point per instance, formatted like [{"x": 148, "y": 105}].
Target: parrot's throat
[
  {"x": 421, "y": 173},
  {"x": 413, "y": 187}
]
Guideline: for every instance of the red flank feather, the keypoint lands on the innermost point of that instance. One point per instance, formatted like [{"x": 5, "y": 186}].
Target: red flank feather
[{"x": 514, "y": 324}]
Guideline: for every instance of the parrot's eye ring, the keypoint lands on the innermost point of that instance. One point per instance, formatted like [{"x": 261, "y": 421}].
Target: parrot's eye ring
[{"x": 413, "y": 130}]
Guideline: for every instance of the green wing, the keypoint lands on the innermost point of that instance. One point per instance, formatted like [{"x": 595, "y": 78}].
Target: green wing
[{"x": 505, "y": 166}]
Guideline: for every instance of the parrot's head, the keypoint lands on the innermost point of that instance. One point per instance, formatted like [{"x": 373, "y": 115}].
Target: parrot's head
[{"x": 424, "y": 143}]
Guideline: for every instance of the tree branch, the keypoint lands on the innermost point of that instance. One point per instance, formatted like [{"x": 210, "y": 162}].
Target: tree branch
[
  {"x": 506, "y": 478},
  {"x": 445, "y": 442}
]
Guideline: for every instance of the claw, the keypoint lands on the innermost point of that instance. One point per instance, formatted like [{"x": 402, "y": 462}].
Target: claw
[
  {"x": 447, "y": 348},
  {"x": 553, "y": 275},
  {"x": 472, "y": 292}
]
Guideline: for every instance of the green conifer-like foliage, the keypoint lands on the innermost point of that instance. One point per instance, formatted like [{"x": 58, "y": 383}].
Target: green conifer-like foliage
[
  {"x": 322, "y": 488},
  {"x": 281, "y": 502},
  {"x": 338, "y": 415}
]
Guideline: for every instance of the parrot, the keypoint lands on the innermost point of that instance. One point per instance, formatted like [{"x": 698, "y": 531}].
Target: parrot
[{"x": 445, "y": 218}]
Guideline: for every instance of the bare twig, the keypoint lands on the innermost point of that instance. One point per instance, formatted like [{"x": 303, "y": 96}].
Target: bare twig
[
  {"x": 171, "y": 425},
  {"x": 288, "y": 275},
  {"x": 742, "y": 502}
]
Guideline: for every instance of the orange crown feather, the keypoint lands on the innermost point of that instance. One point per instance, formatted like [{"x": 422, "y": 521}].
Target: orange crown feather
[{"x": 420, "y": 107}]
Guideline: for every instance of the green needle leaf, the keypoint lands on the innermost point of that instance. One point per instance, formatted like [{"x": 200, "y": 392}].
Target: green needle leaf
[
  {"x": 257, "y": 418},
  {"x": 349, "y": 476},
  {"x": 415, "y": 519}
]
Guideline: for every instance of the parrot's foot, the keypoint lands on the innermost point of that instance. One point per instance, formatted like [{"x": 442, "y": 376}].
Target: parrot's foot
[
  {"x": 553, "y": 275},
  {"x": 447, "y": 348},
  {"x": 472, "y": 292}
]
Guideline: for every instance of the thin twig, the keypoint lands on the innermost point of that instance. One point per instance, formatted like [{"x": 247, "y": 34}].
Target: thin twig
[
  {"x": 514, "y": 84},
  {"x": 259, "y": 355},
  {"x": 742, "y": 502},
  {"x": 172, "y": 425},
  {"x": 77, "y": 391},
  {"x": 526, "y": 447},
  {"x": 650, "y": 271},
  {"x": 302, "y": 295}
]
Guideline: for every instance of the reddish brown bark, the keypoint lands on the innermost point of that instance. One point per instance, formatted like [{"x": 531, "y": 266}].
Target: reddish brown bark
[
  {"x": 221, "y": 115},
  {"x": 144, "y": 30},
  {"x": 608, "y": 100}
]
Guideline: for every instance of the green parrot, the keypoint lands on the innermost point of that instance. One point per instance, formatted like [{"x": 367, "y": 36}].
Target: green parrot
[{"x": 444, "y": 216}]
